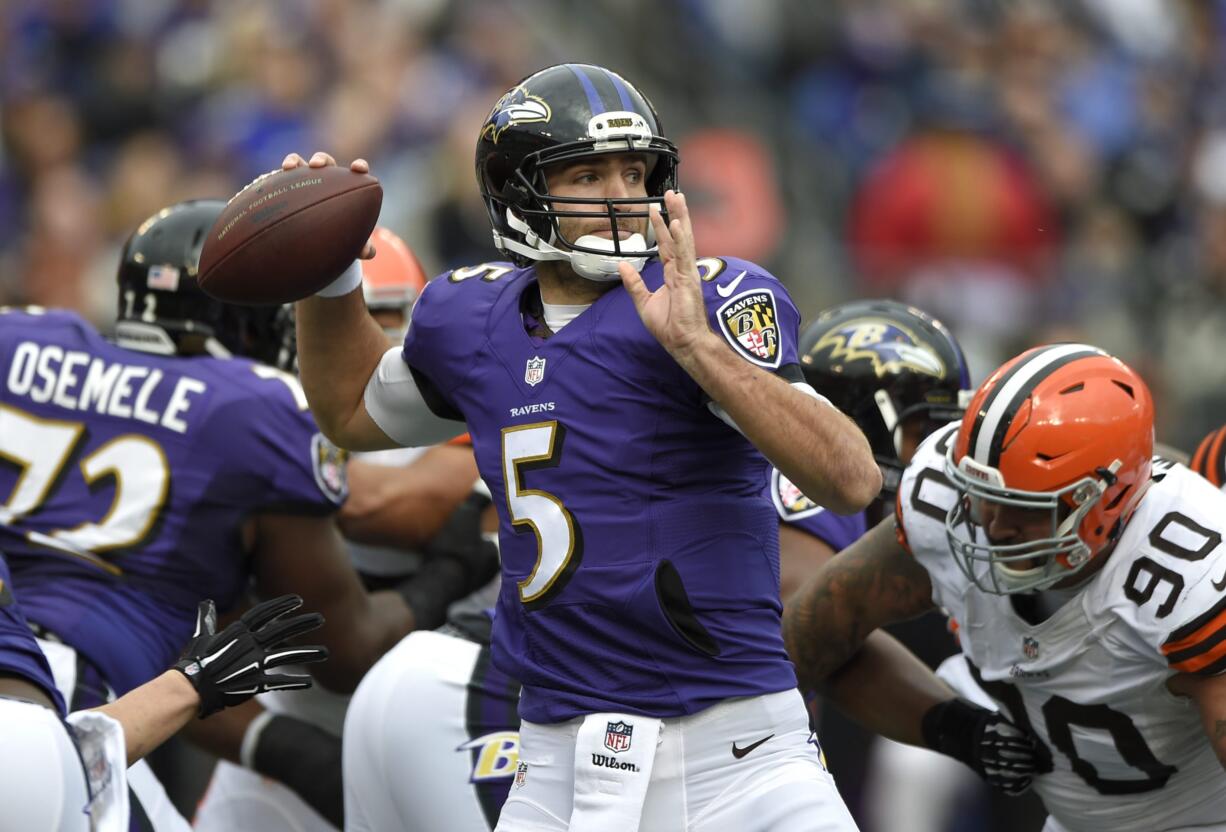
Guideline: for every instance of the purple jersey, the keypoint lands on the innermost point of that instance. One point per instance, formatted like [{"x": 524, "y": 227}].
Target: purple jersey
[
  {"x": 126, "y": 477},
  {"x": 836, "y": 531},
  {"x": 19, "y": 653},
  {"x": 640, "y": 553}
]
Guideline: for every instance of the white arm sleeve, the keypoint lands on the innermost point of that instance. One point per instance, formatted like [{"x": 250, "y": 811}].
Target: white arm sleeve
[
  {"x": 802, "y": 386},
  {"x": 399, "y": 409}
]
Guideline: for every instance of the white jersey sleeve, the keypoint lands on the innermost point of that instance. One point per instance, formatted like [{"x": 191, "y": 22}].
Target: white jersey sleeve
[
  {"x": 925, "y": 496},
  {"x": 1170, "y": 572}
]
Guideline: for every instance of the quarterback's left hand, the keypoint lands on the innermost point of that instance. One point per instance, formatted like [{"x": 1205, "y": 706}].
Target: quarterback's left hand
[
  {"x": 675, "y": 313},
  {"x": 230, "y": 667}
]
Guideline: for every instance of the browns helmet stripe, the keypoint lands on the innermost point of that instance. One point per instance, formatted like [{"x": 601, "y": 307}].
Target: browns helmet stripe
[{"x": 1002, "y": 404}]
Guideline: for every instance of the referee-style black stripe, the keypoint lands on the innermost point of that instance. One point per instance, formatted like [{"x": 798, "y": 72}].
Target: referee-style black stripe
[
  {"x": 1196, "y": 623},
  {"x": 1019, "y": 398},
  {"x": 986, "y": 405}
]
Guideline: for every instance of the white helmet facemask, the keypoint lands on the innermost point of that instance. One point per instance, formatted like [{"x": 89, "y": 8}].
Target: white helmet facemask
[
  {"x": 602, "y": 268},
  {"x": 1030, "y": 566}
]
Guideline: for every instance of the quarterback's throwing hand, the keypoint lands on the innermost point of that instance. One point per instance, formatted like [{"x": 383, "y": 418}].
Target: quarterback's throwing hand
[
  {"x": 320, "y": 159},
  {"x": 230, "y": 667},
  {"x": 674, "y": 313}
]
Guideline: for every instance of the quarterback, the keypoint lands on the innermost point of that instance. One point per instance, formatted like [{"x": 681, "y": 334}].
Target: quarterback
[{"x": 621, "y": 395}]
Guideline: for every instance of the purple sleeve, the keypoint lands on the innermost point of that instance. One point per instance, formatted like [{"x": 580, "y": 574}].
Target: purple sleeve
[
  {"x": 276, "y": 454},
  {"x": 437, "y": 361},
  {"x": 797, "y": 510},
  {"x": 19, "y": 653},
  {"x": 754, "y": 313}
]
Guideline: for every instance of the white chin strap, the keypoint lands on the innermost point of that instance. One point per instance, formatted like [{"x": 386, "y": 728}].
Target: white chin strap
[
  {"x": 601, "y": 268},
  {"x": 151, "y": 338}
]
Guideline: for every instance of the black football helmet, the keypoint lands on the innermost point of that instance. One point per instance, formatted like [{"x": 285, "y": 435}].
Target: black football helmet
[
  {"x": 882, "y": 362},
  {"x": 163, "y": 310},
  {"x": 560, "y": 114}
]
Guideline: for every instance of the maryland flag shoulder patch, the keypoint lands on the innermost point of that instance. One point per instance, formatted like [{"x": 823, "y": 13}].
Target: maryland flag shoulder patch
[
  {"x": 790, "y": 501},
  {"x": 330, "y": 465},
  {"x": 750, "y": 323}
]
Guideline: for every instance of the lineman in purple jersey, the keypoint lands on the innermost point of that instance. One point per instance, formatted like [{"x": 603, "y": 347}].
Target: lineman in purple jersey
[
  {"x": 20, "y": 657},
  {"x": 69, "y": 772},
  {"x": 620, "y": 406},
  {"x": 166, "y": 467}
]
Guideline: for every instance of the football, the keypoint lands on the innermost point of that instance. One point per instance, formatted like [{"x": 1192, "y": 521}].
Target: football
[{"x": 289, "y": 234}]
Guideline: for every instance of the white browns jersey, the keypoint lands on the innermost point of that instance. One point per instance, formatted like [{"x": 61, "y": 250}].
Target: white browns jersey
[{"x": 1090, "y": 680}]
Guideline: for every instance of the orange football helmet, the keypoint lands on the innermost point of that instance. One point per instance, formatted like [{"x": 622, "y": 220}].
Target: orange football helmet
[
  {"x": 392, "y": 279},
  {"x": 1210, "y": 458},
  {"x": 1064, "y": 428}
]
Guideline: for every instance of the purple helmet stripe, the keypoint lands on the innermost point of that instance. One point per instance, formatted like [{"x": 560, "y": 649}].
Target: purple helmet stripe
[
  {"x": 622, "y": 93},
  {"x": 593, "y": 97}
]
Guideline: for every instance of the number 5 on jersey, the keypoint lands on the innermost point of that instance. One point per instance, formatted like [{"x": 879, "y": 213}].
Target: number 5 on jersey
[{"x": 559, "y": 543}]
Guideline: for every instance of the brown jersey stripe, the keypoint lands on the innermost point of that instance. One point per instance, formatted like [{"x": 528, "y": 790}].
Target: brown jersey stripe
[
  {"x": 1212, "y": 669},
  {"x": 1200, "y": 662},
  {"x": 1196, "y": 630},
  {"x": 1205, "y": 646}
]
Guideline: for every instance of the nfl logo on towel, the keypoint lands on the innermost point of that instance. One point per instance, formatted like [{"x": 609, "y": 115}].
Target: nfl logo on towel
[
  {"x": 1030, "y": 647},
  {"x": 534, "y": 373},
  {"x": 617, "y": 736}
]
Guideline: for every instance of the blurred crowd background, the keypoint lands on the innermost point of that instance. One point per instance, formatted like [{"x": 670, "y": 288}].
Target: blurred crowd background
[{"x": 1028, "y": 170}]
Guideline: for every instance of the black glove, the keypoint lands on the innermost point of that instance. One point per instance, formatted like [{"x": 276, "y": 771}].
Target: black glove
[
  {"x": 999, "y": 752},
  {"x": 230, "y": 667},
  {"x": 459, "y": 561}
]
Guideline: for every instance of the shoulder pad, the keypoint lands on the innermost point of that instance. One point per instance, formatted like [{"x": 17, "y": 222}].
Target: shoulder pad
[
  {"x": 483, "y": 272},
  {"x": 1167, "y": 575},
  {"x": 751, "y": 309}
]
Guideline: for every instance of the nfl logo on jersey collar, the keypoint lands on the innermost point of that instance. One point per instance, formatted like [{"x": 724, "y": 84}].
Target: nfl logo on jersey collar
[
  {"x": 617, "y": 736},
  {"x": 534, "y": 372}
]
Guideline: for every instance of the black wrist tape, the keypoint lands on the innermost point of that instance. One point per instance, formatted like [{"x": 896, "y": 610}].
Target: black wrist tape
[{"x": 307, "y": 759}]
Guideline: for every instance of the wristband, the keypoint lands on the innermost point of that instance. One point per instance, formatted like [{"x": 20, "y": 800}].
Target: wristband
[
  {"x": 350, "y": 279},
  {"x": 949, "y": 727}
]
